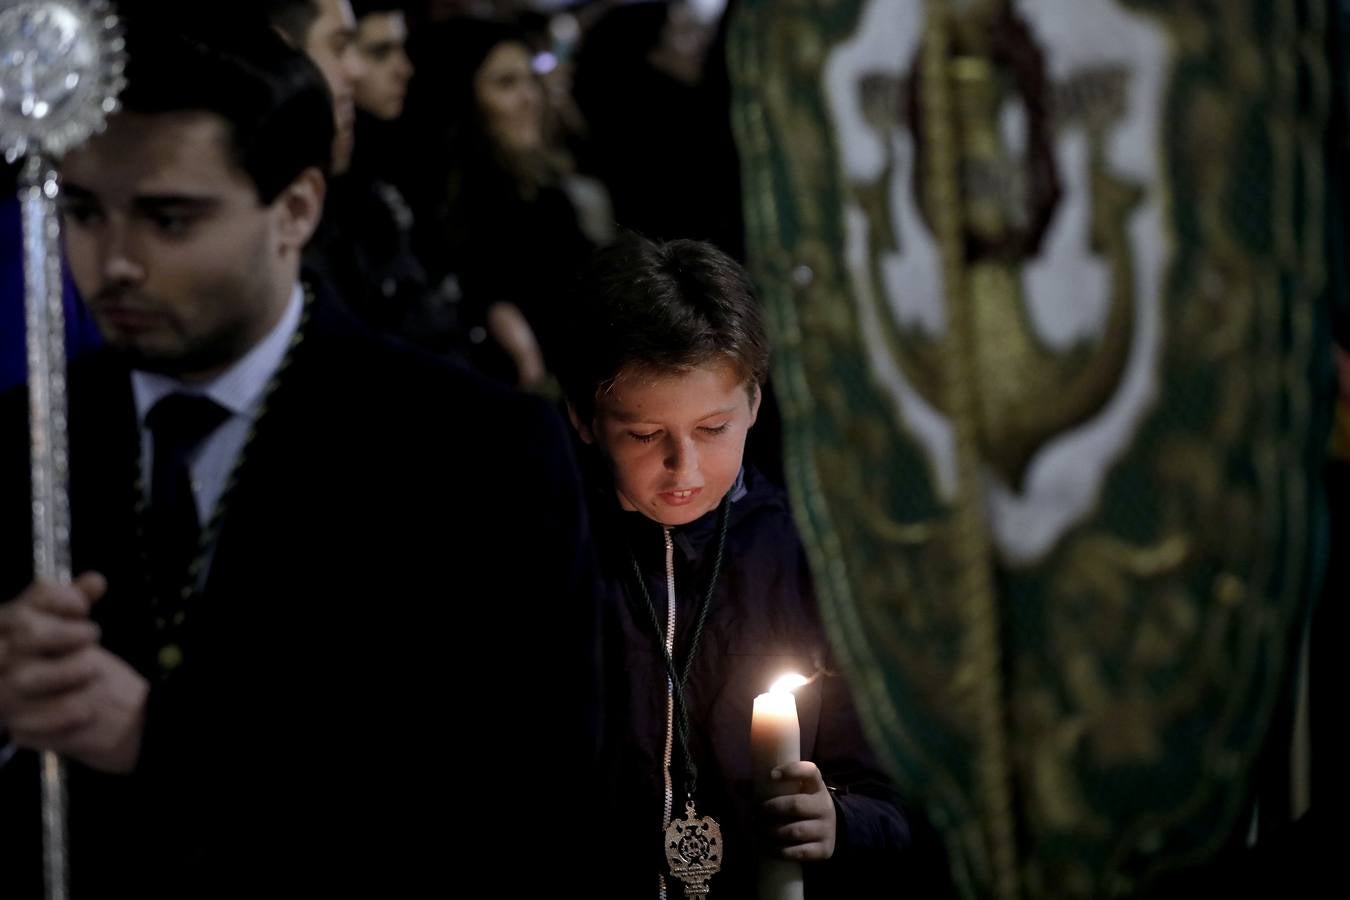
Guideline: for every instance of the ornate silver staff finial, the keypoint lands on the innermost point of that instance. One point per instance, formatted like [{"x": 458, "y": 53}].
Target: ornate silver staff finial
[
  {"x": 61, "y": 65},
  {"x": 61, "y": 69}
]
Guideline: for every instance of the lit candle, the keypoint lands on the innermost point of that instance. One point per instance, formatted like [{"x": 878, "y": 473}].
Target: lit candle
[{"x": 776, "y": 740}]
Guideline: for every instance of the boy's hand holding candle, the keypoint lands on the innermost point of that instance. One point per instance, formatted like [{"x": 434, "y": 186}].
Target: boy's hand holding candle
[
  {"x": 802, "y": 824},
  {"x": 797, "y": 806}
]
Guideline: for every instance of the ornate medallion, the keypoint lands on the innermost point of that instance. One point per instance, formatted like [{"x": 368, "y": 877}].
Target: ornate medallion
[{"x": 694, "y": 850}]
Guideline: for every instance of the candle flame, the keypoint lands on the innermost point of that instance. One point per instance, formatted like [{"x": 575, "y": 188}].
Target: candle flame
[{"x": 788, "y": 683}]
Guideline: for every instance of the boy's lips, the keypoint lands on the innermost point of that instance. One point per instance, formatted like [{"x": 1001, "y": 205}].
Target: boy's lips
[{"x": 680, "y": 497}]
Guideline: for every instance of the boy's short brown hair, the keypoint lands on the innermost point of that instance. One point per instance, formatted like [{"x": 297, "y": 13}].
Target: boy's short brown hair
[{"x": 661, "y": 308}]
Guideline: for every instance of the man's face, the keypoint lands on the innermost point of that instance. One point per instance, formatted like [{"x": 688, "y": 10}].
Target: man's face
[
  {"x": 674, "y": 441},
  {"x": 331, "y": 44},
  {"x": 381, "y": 39},
  {"x": 181, "y": 265}
]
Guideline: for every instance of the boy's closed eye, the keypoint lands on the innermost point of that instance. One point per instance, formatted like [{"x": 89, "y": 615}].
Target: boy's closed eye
[{"x": 646, "y": 437}]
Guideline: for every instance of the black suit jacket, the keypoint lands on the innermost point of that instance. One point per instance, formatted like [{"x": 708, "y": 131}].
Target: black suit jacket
[{"x": 395, "y": 645}]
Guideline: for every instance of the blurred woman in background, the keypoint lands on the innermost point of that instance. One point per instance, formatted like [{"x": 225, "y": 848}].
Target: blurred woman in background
[{"x": 494, "y": 224}]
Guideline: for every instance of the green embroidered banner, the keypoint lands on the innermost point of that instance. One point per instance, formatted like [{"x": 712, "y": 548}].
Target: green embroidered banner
[{"x": 1047, "y": 280}]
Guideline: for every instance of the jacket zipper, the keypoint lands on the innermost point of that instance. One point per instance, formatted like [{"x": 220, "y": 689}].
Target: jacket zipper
[{"x": 670, "y": 690}]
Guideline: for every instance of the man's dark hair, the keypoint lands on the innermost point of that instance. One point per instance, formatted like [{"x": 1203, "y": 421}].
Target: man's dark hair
[
  {"x": 660, "y": 308},
  {"x": 293, "y": 18},
  {"x": 272, "y": 97},
  {"x": 363, "y": 8}
]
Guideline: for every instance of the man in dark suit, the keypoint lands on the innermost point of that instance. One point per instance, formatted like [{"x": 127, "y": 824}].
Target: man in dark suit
[{"x": 335, "y": 610}]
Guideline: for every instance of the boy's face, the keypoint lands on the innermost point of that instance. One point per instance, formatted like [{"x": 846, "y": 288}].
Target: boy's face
[{"x": 674, "y": 441}]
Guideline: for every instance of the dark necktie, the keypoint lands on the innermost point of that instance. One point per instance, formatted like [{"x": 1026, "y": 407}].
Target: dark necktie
[{"x": 178, "y": 424}]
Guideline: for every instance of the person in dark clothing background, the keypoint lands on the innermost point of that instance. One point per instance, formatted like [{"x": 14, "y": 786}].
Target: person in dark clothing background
[
  {"x": 489, "y": 210},
  {"x": 363, "y": 248},
  {"x": 365, "y": 244},
  {"x": 325, "y": 31},
  {"x": 703, "y": 568},
  {"x": 652, "y": 84}
]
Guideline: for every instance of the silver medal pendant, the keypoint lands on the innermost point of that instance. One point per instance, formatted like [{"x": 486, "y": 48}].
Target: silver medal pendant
[{"x": 694, "y": 850}]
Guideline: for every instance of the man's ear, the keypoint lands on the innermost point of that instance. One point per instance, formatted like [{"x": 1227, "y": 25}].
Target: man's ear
[
  {"x": 756, "y": 394},
  {"x": 300, "y": 207},
  {"x": 583, "y": 430}
]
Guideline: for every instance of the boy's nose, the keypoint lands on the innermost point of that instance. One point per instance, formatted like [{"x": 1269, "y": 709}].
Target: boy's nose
[{"x": 682, "y": 456}]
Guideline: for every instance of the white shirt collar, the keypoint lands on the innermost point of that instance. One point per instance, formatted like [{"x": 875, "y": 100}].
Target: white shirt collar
[{"x": 240, "y": 387}]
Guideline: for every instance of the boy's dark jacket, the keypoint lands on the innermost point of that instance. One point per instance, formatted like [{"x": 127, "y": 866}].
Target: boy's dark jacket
[{"x": 762, "y": 622}]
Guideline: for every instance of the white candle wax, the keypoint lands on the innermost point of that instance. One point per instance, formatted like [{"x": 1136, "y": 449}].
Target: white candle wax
[
  {"x": 775, "y": 736},
  {"x": 775, "y": 740}
]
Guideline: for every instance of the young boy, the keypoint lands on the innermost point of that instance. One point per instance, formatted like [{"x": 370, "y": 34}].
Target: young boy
[{"x": 705, "y": 577}]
